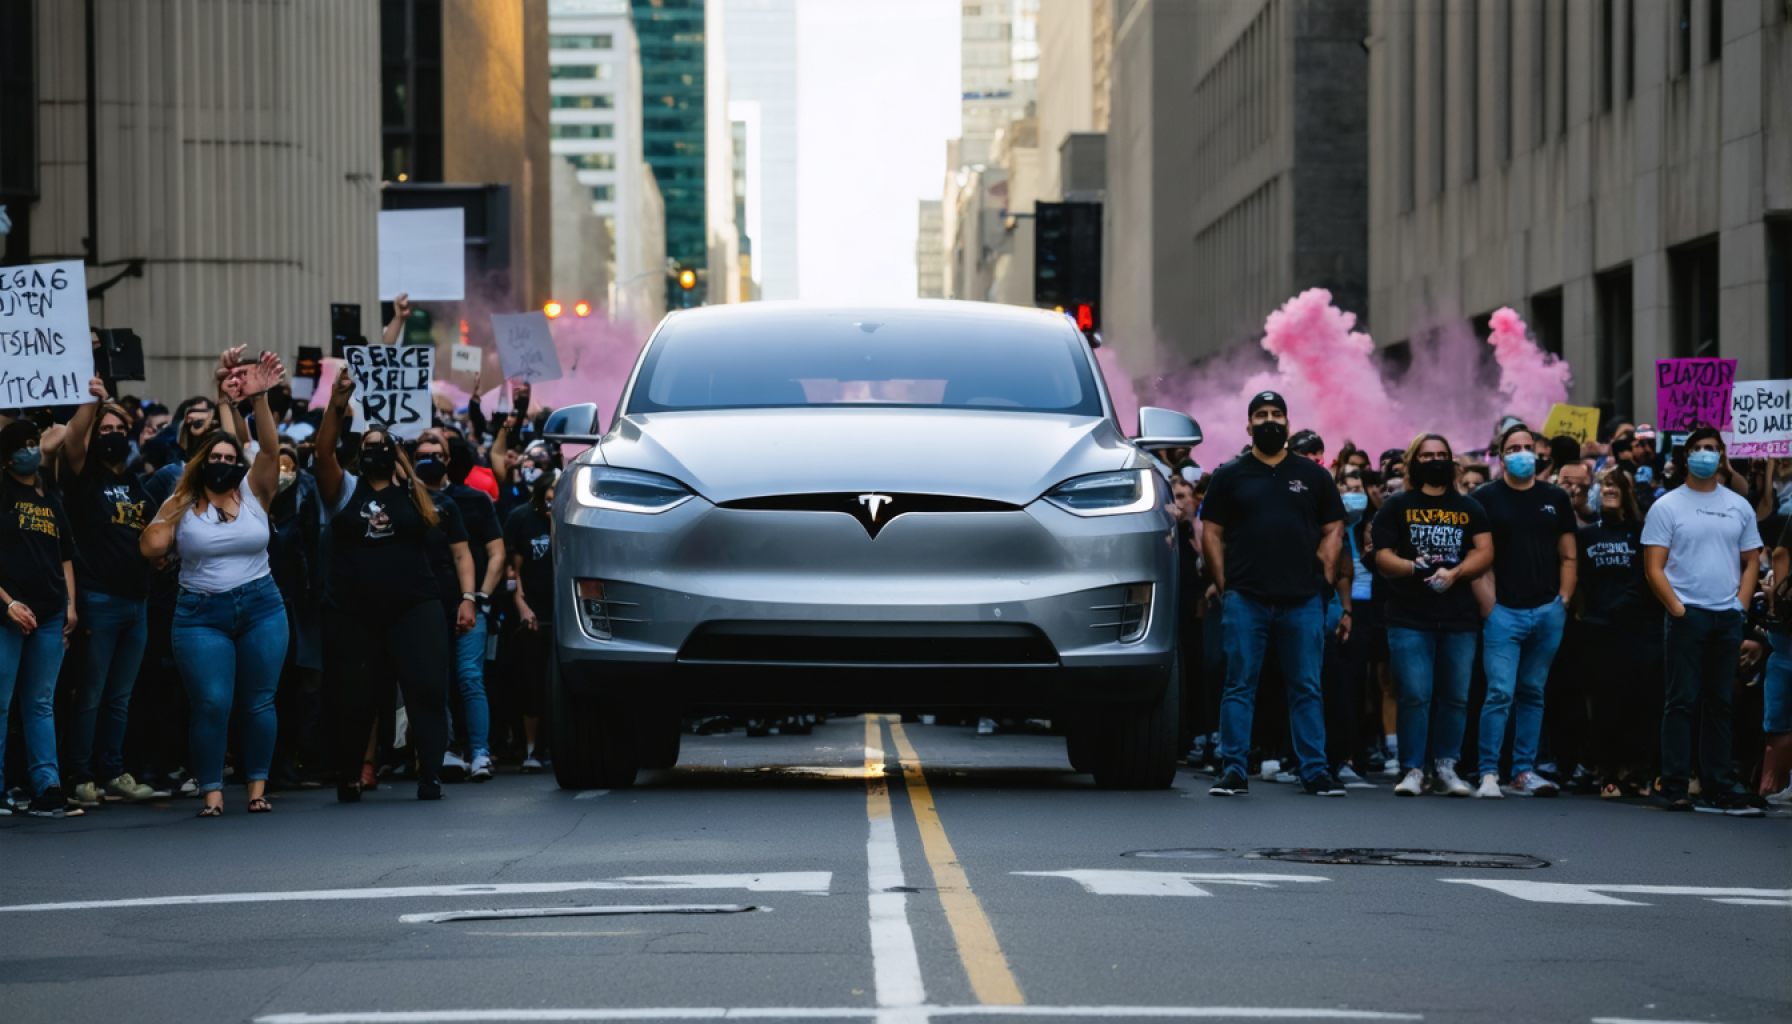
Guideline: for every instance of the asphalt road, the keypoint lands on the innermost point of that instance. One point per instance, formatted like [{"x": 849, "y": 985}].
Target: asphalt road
[{"x": 903, "y": 875}]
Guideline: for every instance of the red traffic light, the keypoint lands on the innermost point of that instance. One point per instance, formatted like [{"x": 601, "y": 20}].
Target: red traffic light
[
  {"x": 1085, "y": 316},
  {"x": 581, "y": 308}
]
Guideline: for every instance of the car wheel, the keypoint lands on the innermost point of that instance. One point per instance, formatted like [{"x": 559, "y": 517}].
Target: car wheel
[
  {"x": 657, "y": 737},
  {"x": 592, "y": 747},
  {"x": 1137, "y": 747}
]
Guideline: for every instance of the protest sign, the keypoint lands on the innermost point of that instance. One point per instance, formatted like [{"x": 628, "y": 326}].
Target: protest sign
[
  {"x": 46, "y": 352},
  {"x": 1693, "y": 392},
  {"x": 1580, "y": 422},
  {"x": 423, "y": 253},
  {"x": 526, "y": 346},
  {"x": 465, "y": 358},
  {"x": 392, "y": 385},
  {"x": 1760, "y": 419}
]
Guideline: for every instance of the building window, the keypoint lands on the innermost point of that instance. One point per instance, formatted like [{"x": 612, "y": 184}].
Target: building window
[
  {"x": 1540, "y": 39},
  {"x": 1779, "y": 298},
  {"x": 1608, "y": 68},
  {"x": 1714, "y": 29},
  {"x": 1630, "y": 50},
  {"x": 1546, "y": 320},
  {"x": 1471, "y": 59},
  {"x": 581, "y": 131},
  {"x": 1561, "y": 67},
  {"x": 1508, "y": 97},
  {"x": 1682, "y": 37},
  {"x": 579, "y": 41},
  {"x": 593, "y": 161},
  {"x": 1616, "y": 344},
  {"x": 603, "y": 193},
  {"x": 578, "y": 72},
  {"x": 592, "y": 101},
  {"x": 1692, "y": 272}
]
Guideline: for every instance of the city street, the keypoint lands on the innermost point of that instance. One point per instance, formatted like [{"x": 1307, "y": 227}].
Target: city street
[{"x": 893, "y": 872}]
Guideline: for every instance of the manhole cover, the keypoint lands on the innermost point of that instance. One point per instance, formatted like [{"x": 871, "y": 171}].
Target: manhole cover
[
  {"x": 1195, "y": 853},
  {"x": 1402, "y": 858}
]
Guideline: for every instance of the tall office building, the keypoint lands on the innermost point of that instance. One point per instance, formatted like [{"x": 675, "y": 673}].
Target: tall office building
[
  {"x": 998, "y": 71},
  {"x": 762, "y": 71},
  {"x": 930, "y": 251}
]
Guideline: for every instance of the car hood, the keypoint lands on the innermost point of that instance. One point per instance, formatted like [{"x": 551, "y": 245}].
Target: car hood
[{"x": 728, "y": 455}]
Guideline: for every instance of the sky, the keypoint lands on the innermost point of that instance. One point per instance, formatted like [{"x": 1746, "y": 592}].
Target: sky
[{"x": 877, "y": 98}]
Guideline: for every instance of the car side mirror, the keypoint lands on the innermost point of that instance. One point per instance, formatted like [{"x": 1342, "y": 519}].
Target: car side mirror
[
  {"x": 1166, "y": 428},
  {"x": 574, "y": 424}
]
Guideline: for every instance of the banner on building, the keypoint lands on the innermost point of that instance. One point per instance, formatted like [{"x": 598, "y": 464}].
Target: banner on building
[
  {"x": 526, "y": 346},
  {"x": 1693, "y": 392},
  {"x": 392, "y": 385},
  {"x": 46, "y": 350}
]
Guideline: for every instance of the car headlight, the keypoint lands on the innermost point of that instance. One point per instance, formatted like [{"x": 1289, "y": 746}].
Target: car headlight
[
  {"x": 629, "y": 490},
  {"x": 1106, "y": 494}
]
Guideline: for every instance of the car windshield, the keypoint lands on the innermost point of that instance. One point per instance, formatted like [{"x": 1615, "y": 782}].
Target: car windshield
[{"x": 826, "y": 359}]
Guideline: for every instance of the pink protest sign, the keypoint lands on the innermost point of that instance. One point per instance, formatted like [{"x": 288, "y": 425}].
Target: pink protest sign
[{"x": 1693, "y": 392}]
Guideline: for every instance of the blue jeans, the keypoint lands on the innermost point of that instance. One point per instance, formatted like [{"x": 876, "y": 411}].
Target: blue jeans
[
  {"x": 1518, "y": 646},
  {"x": 1298, "y": 631},
  {"x": 28, "y": 665},
  {"x": 230, "y": 648},
  {"x": 1433, "y": 670},
  {"x": 469, "y": 678},
  {"x": 116, "y": 631}
]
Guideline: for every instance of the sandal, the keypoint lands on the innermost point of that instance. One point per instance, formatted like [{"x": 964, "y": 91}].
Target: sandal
[
  {"x": 212, "y": 811},
  {"x": 260, "y": 805},
  {"x": 1610, "y": 792}
]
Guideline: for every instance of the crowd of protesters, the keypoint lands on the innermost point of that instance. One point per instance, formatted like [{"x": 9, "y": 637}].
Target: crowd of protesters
[
  {"x": 248, "y": 589},
  {"x": 1541, "y": 615}
]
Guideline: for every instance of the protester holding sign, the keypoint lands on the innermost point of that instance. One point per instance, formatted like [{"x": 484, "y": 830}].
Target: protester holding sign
[{"x": 389, "y": 620}]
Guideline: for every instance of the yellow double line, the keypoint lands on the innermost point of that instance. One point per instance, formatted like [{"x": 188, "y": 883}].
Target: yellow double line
[{"x": 992, "y": 981}]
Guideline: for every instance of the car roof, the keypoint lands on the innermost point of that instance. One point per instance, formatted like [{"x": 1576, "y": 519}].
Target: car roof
[{"x": 767, "y": 313}]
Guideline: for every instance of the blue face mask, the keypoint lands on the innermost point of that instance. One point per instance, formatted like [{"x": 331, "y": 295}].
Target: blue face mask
[
  {"x": 1521, "y": 465},
  {"x": 1703, "y": 465},
  {"x": 1355, "y": 505},
  {"x": 26, "y": 460}
]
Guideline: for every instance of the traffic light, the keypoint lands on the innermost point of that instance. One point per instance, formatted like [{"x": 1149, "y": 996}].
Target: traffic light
[
  {"x": 687, "y": 279},
  {"x": 581, "y": 308},
  {"x": 553, "y": 309},
  {"x": 1067, "y": 261}
]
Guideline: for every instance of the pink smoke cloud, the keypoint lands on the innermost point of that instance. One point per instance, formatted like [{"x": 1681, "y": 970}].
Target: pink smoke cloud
[{"x": 1531, "y": 380}]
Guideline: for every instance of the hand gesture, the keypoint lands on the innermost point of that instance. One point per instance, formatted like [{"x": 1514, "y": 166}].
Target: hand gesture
[
  {"x": 256, "y": 378},
  {"x": 228, "y": 360},
  {"x": 401, "y": 306},
  {"x": 97, "y": 388},
  {"x": 344, "y": 387},
  {"x": 519, "y": 400}
]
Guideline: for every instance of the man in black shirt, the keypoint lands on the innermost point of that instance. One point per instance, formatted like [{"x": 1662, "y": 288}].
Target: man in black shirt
[
  {"x": 1272, "y": 526},
  {"x": 1534, "y": 564}
]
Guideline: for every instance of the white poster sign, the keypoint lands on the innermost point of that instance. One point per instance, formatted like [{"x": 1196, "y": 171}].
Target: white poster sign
[
  {"x": 1760, "y": 419},
  {"x": 392, "y": 385},
  {"x": 423, "y": 254},
  {"x": 526, "y": 346},
  {"x": 46, "y": 352},
  {"x": 465, "y": 358}
]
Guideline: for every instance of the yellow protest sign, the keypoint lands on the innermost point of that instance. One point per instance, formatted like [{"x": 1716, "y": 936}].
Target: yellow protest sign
[{"x": 1580, "y": 422}]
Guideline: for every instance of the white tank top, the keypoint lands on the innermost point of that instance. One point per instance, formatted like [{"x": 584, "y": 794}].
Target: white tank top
[{"x": 217, "y": 556}]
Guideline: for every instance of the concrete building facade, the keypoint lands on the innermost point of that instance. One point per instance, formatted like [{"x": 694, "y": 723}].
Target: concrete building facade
[
  {"x": 1619, "y": 171},
  {"x": 762, "y": 70},
  {"x": 1073, "y": 85},
  {"x": 930, "y": 251}
]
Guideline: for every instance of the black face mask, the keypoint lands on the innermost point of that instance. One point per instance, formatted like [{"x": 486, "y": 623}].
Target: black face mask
[
  {"x": 1433, "y": 473},
  {"x": 1269, "y": 437},
  {"x": 431, "y": 470},
  {"x": 222, "y": 477},
  {"x": 111, "y": 448},
  {"x": 379, "y": 461}
]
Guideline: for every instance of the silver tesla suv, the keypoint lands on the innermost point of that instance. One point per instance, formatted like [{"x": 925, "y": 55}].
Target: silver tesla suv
[{"x": 925, "y": 507}]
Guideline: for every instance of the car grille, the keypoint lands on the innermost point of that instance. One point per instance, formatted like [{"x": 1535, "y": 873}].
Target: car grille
[
  {"x": 873, "y": 510},
  {"x": 881, "y": 644}
]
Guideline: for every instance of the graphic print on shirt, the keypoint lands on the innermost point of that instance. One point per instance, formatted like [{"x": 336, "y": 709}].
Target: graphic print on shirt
[
  {"x": 35, "y": 517},
  {"x": 538, "y": 547},
  {"x": 1436, "y": 534},
  {"x": 379, "y": 521},
  {"x": 1611, "y": 554},
  {"x": 125, "y": 512}
]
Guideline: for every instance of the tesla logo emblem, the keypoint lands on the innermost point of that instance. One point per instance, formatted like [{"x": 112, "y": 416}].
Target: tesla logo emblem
[{"x": 873, "y": 502}]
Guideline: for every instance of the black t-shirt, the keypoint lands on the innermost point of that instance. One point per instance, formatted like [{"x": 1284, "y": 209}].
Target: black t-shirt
[
  {"x": 1526, "y": 526},
  {"x": 449, "y": 530},
  {"x": 527, "y": 533},
  {"x": 1612, "y": 589},
  {"x": 1443, "y": 529},
  {"x": 1272, "y": 517},
  {"x": 481, "y": 521},
  {"x": 379, "y": 549},
  {"x": 511, "y": 496},
  {"x": 34, "y": 542},
  {"x": 108, "y": 512}
]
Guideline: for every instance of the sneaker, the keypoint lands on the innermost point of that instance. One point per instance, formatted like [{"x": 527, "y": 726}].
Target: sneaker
[
  {"x": 1412, "y": 785},
  {"x": 1391, "y": 767},
  {"x": 929, "y": 719},
  {"x": 86, "y": 794},
  {"x": 1532, "y": 784},
  {"x": 453, "y": 768},
  {"x": 51, "y": 803},
  {"x": 1285, "y": 778},
  {"x": 1783, "y": 798},
  {"x": 429, "y": 790},
  {"x": 531, "y": 765},
  {"x": 1446, "y": 781},
  {"x": 481, "y": 770},
  {"x": 1230, "y": 784},
  {"x": 129, "y": 789},
  {"x": 1268, "y": 770},
  {"x": 1490, "y": 788},
  {"x": 986, "y": 727},
  {"x": 1736, "y": 803},
  {"x": 189, "y": 787},
  {"x": 1351, "y": 780},
  {"x": 1323, "y": 784}
]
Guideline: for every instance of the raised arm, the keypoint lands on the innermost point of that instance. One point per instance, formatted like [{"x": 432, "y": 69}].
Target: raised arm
[
  {"x": 74, "y": 449},
  {"x": 264, "y": 472},
  {"x": 401, "y": 311},
  {"x": 323, "y": 462}
]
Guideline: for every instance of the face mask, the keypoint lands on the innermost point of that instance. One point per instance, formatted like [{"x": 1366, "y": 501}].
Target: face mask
[
  {"x": 287, "y": 479},
  {"x": 530, "y": 474},
  {"x": 1434, "y": 473},
  {"x": 1703, "y": 465},
  {"x": 110, "y": 448},
  {"x": 1269, "y": 437},
  {"x": 1644, "y": 475},
  {"x": 222, "y": 477},
  {"x": 378, "y": 461},
  {"x": 431, "y": 470},
  {"x": 1355, "y": 505},
  {"x": 26, "y": 460},
  {"x": 1521, "y": 465}
]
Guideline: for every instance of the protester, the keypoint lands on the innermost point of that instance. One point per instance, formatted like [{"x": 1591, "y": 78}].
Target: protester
[
  {"x": 1577, "y": 480},
  {"x": 1272, "y": 527},
  {"x": 1362, "y": 645},
  {"x": 1534, "y": 561},
  {"x": 1776, "y": 712},
  {"x": 1471, "y": 476},
  {"x": 230, "y": 626},
  {"x": 296, "y": 556},
  {"x": 528, "y": 534},
  {"x": 1430, "y": 541},
  {"x": 1701, "y": 554}
]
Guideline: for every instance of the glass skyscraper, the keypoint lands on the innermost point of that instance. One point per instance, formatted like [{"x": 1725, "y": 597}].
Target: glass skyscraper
[{"x": 671, "y": 34}]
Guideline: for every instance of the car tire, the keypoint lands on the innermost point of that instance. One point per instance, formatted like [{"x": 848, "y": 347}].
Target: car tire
[
  {"x": 1136, "y": 748},
  {"x": 591, "y": 744},
  {"x": 658, "y": 736}
]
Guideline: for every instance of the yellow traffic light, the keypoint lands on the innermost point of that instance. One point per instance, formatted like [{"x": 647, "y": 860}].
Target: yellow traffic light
[
  {"x": 553, "y": 309},
  {"x": 687, "y": 279}
]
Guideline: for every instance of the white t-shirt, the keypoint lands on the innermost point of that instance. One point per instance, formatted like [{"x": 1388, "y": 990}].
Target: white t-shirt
[
  {"x": 216, "y": 556},
  {"x": 1705, "y": 534}
]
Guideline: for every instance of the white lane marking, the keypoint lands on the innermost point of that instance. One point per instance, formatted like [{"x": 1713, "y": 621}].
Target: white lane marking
[
  {"x": 1645, "y": 1020},
  {"x": 1596, "y": 895},
  {"x": 895, "y": 959},
  {"x": 834, "y": 1013},
  {"x": 515, "y": 913},
  {"x": 1103, "y": 882},
  {"x": 592, "y": 794},
  {"x": 814, "y": 883}
]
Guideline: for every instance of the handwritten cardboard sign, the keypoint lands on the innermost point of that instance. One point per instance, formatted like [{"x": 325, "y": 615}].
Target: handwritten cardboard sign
[
  {"x": 46, "y": 351},
  {"x": 1760, "y": 419},
  {"x": 423, "y": 253},
  {"x": 1693, "y": 392},
  {"x": 526, "y": 346},
  {"x": 1580, "y": 422},
  {"x": 465, "y": 358},
  {"x": 392, "y": 385}
]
